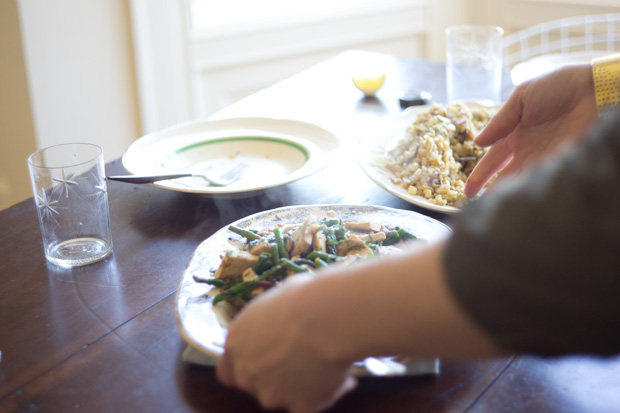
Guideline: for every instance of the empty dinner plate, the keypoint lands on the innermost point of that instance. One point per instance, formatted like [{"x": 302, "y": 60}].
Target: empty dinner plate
[{"x": 277, "y": 151}]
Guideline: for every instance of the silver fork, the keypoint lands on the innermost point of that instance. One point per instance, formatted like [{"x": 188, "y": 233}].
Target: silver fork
[{"x": 228, "y": 178}]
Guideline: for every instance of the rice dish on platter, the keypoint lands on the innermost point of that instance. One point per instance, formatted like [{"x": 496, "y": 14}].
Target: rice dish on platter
[{"x": 437, "y": 154}]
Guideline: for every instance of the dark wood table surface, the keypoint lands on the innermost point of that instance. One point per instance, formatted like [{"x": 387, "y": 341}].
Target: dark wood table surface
[{"x": 103, "y": 338}]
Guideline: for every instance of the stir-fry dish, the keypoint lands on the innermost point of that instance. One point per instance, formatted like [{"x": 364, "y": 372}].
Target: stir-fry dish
[
  {"x": 265, "y": 258},
  {"x": 437, "y": 154}
]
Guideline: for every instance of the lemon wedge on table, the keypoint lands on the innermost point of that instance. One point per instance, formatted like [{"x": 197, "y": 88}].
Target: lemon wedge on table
[{"x": 369, "y": 84}]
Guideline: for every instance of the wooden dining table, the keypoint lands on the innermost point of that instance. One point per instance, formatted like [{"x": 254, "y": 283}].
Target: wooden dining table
[{"x": 104, "y": 337}]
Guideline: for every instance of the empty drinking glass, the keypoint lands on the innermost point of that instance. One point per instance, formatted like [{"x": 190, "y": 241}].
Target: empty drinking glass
[{"x": 70, "y": 193}]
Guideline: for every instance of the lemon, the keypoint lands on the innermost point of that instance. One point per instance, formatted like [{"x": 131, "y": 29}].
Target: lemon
[{"x": 369, "y": 83}]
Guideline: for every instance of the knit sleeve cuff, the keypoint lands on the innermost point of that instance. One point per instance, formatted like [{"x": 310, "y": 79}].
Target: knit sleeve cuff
[{"x": 606, "y": 74}]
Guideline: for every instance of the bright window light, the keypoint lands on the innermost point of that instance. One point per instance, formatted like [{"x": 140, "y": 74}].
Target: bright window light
[{"x": 212, "y": 13}]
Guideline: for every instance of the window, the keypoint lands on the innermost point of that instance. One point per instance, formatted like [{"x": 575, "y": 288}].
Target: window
[
  {"x": 213, "y": 13},
  {"x": 194, "y": 57}
]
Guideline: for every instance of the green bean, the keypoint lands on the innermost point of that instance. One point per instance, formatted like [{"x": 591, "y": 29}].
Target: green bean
[
  {"x": 280, "y": 243},
  {"x": 275, "y": 252},
  {"x": 220, "y": 297},
  {"x": 404, "y": 234},
  {"x": 391, "y": 238},
  {"x": 264, "y": 263},
  {"x": 244, "y": 233},
  {"x": 301, "y": 261},
  {"x": 398, "y": 234},
  {"x": 211, "y": 281},
  {"x": 322, "y": 255},
  {"x": 275, "y": 273},
  {"x": 243, "y": 286},
  {"x": 240, "y": 290},
  {"x": 292, "y": 266}
]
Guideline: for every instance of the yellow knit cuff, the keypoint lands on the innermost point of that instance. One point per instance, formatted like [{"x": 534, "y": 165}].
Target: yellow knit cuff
[{"x": 606, "y": 74}]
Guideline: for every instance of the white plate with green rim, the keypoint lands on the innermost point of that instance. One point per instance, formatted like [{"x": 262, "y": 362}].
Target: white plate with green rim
[{"x": 277, "y": 151}]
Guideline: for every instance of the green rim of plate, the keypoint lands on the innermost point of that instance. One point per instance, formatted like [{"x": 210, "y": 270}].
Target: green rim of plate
[{"x": 238, "y": 138}]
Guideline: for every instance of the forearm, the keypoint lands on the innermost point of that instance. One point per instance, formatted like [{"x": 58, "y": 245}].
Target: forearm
[{"x": 399, "y": 305}]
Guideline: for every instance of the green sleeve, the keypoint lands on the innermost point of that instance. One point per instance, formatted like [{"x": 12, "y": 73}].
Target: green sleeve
[{"x": 536, "y": 262}]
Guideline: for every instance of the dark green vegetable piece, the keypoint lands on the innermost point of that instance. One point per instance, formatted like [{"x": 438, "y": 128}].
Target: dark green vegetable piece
[
  {"x": 264, "y": 263},
  {"x": 322, "y": 255},
  {"x": 292, "y": 266},
  {"x": 275, "y": 252},
  {"x": 398, "y": 234},
  {"x": 404, "y": 234},
  {"x": 220, "y": 297},
  {"x": 280, "y": 243},
  {"x": 211, "y": 281},
  {"x": 241, "y": 290},
  {"x": 276, "y": 273},
  {"x": 251, "y": 236},
  {"x": 302, "y": 261},
  {"x": 391, "y": 238}
]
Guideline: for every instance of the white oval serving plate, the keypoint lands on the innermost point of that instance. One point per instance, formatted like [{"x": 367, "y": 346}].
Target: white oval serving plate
[
  {"x": 371, "y": 154},
  {"x": 205, "y": 329}
]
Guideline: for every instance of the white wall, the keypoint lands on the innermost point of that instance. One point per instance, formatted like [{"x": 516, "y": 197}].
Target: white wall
[
  {"x": 67, "y": 75},
  {"x": 79, "y": 63},
  {"x": 17, "y": 138}
]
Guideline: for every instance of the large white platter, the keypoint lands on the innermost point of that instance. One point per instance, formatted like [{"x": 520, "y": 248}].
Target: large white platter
[
  {"x": 278, "y": 151},
  {"x": 372, "y": 151},
  {"x": 204, "y": 328}
]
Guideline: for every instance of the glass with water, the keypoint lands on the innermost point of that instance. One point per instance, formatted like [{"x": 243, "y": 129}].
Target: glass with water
[{"x": 474, "y": 64}]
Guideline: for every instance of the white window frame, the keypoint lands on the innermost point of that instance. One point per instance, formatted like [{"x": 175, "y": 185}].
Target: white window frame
[
  {"x": 162, "y": 67},
  {"x": 168, "y": 51}
]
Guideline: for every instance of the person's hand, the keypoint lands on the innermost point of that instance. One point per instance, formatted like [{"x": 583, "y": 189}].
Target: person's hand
[
  {"x": 293, "y": 346},
  {"x": 272, "y": 354},
  {"x": 539, "y": 116}
]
